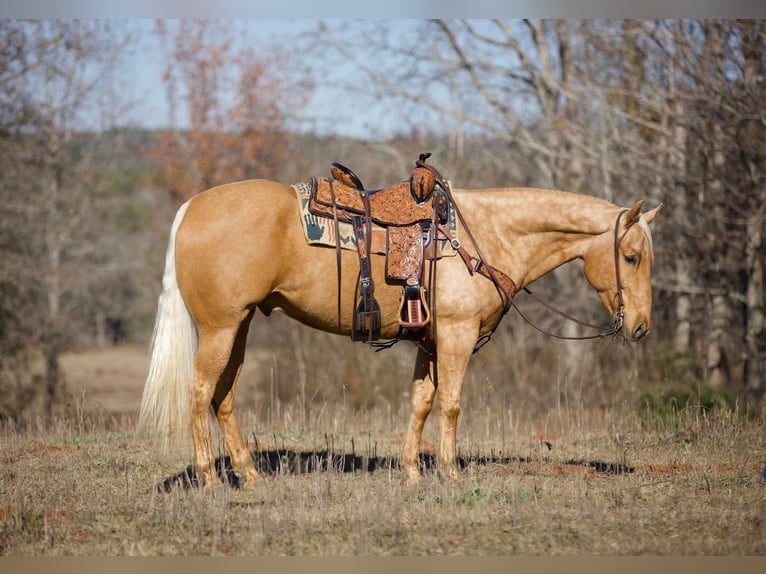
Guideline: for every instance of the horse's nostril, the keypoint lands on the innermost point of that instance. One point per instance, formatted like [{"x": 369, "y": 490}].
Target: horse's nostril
[{"x": 640, "y": 331}]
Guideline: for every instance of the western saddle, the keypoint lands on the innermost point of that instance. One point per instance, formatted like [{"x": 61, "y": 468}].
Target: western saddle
[
  {"x": 409, "y": 211},
  {"x": 413, "y": 213}
]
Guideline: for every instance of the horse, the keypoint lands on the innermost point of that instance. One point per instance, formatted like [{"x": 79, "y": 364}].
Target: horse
[{"x": 239, "y": 248}]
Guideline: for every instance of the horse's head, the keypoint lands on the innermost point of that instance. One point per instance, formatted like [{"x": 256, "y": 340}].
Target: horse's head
[{"x": 619, "y": 267}]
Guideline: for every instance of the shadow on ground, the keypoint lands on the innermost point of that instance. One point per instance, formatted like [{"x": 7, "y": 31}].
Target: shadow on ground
[{"x": 290, "y": 462}]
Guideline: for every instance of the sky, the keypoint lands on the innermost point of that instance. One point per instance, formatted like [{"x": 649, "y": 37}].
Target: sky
[
  {"x": 388, "y": 9},
  {"x": 146, "y": 64},
  {"x": 272, "y": 20},
  {"x": 329, "y": 108}
]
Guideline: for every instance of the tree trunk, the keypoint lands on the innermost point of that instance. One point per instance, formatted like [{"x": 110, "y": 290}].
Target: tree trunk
[
  {"x": 716, "y": 361},
  {"x": 714, "y": 200},
  {"x": 755, "y": 337},
  {"x": 52, "y": 379},
  {"x": 682, "y": 335},
  {"x": 755, "y": 324}
]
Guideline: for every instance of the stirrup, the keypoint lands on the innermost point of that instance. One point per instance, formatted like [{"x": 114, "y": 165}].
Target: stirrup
[
  {"x": 414, "y": 312},
  {"x": 366, "y": 325},
  {"x": 366, "y": 321}
]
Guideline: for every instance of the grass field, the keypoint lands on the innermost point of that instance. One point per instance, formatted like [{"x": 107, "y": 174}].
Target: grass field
[{"x": 572, "y": 480}]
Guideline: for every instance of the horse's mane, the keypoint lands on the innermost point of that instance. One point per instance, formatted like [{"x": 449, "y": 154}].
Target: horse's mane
[
  {"x": 527, "y": 192},
  {"x": 575, "y": 210}
]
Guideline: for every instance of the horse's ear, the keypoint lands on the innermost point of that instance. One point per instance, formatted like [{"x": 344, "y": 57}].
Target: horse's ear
[
  {"x": 649, "y": 215},
  {"x": 634, "y": 213}
]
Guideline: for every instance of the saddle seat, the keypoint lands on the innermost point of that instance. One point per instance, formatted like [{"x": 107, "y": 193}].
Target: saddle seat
[{"x": 395, "y": 205}]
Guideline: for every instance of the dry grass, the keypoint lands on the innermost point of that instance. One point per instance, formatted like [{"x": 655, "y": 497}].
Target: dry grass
[{"x": 570, "y": 480}]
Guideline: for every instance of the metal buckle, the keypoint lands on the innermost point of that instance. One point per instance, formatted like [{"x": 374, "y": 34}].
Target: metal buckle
[{"x": 619, "y": 321}]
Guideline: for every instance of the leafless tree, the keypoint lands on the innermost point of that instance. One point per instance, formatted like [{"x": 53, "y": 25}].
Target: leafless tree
[
  {"x": 59, "y": 101},
  {"x": 668, "y": 110}
]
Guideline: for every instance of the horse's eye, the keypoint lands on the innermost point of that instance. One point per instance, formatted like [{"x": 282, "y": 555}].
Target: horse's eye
[{"x": 631, "y": 259}]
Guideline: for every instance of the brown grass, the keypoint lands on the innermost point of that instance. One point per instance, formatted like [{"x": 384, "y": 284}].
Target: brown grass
[{"x": 572, "y": 479}]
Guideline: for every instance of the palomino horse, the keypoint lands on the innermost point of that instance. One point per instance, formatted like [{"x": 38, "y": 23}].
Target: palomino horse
[{"x": 240, "y": 247}]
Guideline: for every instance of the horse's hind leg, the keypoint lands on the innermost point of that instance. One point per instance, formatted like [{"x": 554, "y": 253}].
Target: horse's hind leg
[
  {"x": 218, "y": 361},
  {"x": 223, "y": 404}
]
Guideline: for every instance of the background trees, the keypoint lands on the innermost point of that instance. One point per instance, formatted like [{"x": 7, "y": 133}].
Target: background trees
[
  {"x": 57, "y": 202},
  {"x": 229, "y": 106},
  {"x": 670, "y": 111}
]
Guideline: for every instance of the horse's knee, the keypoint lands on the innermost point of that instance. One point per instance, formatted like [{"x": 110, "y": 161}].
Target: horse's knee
[
  {"x": 449, "y": 408},
  {"x": 449, "y": 400},
  {"x": 201, "y": 401},
  {"x": 422, "y": 397}
]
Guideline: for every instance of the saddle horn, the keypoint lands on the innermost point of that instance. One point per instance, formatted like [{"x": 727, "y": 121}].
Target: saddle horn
[{"x": 423, "y": 179}]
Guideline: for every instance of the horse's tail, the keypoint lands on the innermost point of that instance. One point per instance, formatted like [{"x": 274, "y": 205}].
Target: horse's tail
[{"x": 166, "y": 402}]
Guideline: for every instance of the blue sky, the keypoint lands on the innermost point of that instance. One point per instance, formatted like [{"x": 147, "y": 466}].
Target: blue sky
[
  {"x": 146, "y": 64},
  {"x": 388, "y": 9}
]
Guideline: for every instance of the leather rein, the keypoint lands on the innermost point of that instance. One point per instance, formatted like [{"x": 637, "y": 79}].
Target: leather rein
[{"x": 616, "y": 328}]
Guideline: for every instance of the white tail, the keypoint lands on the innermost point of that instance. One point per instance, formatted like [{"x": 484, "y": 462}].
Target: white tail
[{"x": 166, "y": 402}]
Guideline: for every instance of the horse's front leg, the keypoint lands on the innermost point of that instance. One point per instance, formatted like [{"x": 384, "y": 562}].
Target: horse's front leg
[
  {"x": 421, "y": 402},
  {"x": 456, "y": 342}
]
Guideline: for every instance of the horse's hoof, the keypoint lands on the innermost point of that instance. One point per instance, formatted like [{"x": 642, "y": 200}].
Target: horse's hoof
[
  {"x": 412, "y": 476},
  {"x": 450, "y": 476},
  {"x": 212, "y": 486},
  {"x": 249, "y": 480}
]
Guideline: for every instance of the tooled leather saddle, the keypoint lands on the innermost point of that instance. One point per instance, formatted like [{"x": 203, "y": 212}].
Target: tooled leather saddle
[{"x": 410, "y": 211}]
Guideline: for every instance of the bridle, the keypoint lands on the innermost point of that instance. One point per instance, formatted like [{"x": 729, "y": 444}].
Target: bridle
[
  {"x": 616, "y": 328},
  {"x": 619, "y": 316}
]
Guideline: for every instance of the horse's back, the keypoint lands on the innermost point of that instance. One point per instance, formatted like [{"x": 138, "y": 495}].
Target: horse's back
[{"x": 248, "y": 200}]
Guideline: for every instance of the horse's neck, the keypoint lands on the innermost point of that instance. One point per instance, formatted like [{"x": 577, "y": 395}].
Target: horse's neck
[{"x": 529, "y": 232}]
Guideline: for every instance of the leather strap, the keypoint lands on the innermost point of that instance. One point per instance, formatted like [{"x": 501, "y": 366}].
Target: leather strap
[
  {"x": 480, "y": 266},
  {"x": 363, "y": 231},
  {"x": 338, "y": 257}
]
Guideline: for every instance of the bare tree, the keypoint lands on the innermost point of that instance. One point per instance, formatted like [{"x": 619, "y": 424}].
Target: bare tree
[
  {"x": 55, "y": 177},
  {"x": 229, "y": 105},
  {"x": 672, "y": 110},
  {"x": 750, "y": 135}
]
